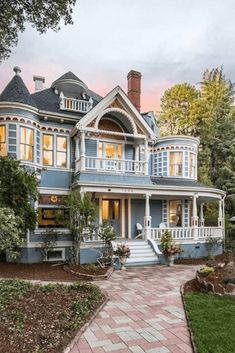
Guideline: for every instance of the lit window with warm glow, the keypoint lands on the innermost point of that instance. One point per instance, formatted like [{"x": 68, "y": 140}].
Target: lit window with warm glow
[
  {"x": 192, "y": 165},
  {"x": 175, "y": 213},
  {"x": 176, "y": 164},
  {"x": 3, "y": 147},
  {"x": 110, "y": 150},
  {"x": 111, "y": 210},
  {"x": 61, "y": 151},
  {"x": 48, "y": 149},
  {"x": 26, "y": 144}
]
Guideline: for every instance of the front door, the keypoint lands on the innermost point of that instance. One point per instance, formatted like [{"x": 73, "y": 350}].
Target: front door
[{"x": 111, "y": 212}]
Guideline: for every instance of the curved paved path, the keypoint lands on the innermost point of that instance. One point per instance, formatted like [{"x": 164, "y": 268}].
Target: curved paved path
[{"x": 144, "y": 313}]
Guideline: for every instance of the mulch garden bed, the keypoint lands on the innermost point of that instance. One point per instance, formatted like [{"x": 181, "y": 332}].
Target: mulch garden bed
[
  {"x": 50, "y": 272},
  {"x": 44, "y": 319},
  {"x": 202, "y": 260}
]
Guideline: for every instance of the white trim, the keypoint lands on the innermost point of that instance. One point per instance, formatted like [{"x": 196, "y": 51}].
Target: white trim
[
  {"x": 104, "y": 103},
  {"x": 50, "y": 191},
  {"x": 123, "y": 217},
  {"x": 129, "y": 216}
]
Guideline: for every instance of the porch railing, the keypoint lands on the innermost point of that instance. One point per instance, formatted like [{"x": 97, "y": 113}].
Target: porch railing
[
  {"x": 115, "y": 165},
  {"x": 76, "y": 105},
  {"x": 185, "y": 233}
]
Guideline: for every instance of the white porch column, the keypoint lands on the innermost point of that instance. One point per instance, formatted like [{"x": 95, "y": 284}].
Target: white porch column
[
  {"x": 137, "y": 157},
  {"x": 147, "y": 218},
  {"x": 202, "y": 221},
  {"x": 129, "y": 216},
  {"x": 220, "y": 216},
  {"x": 146, "y": 156},
  {"x": 77, "y": 152},
  {"x": 194, "y": 219},
  {"x": 83, "y": 150}
]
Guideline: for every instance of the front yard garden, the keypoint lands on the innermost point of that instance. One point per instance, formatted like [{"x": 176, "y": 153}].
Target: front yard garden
[
  {"x": 213, "y": 322},
  {"x": 43, "y": 319}
]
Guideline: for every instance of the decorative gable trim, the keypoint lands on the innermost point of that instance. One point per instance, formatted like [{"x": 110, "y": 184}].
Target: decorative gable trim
[{"x": 116, "y": 100}]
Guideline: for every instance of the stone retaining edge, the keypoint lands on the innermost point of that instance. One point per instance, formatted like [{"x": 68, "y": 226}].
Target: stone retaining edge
[{"x": 188, "y": 320}]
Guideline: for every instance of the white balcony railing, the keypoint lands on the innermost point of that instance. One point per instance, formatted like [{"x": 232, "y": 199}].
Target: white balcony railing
[
  {"x": 185, "y": 233},
  {"x": 115, "y": 165},
  {"x": 75, "y": 105}
]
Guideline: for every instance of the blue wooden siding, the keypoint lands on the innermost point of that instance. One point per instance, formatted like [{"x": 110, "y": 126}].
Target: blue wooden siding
[
  {"x": 12, "y": 141},
  {"x": 56, "y": 179},
  {"x": 72, "y": 153},
  {"x": 38, "y": 147},
  {"x": 129, "y": 152},
  {"x": 138, "y": 211},
  {"x": 91, "y": 147}
]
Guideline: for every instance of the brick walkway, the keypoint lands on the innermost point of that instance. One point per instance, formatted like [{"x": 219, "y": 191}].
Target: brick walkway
[{"x": 144, "y": 313}]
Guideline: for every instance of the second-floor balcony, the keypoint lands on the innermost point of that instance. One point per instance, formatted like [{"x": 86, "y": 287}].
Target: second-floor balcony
[
  {"x": 112, "y": 165},
  {"x": 76, "y": 105}
]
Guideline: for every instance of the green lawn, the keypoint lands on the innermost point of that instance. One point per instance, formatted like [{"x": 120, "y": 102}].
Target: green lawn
[{"x": 213, "y": 322}]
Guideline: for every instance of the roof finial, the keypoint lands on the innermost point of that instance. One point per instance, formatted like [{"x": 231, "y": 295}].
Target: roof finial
[{"x": 17, "y": 70}]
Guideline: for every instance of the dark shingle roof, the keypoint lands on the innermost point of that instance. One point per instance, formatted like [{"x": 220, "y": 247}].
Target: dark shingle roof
[
  {"x": 49, "y": 101},
  {"x": 69, "y": 76},
  {"x": 165, "y": 181},
  {"x": 16, "y": 91}
]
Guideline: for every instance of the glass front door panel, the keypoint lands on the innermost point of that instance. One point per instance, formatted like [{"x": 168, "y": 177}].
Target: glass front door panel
[
  {"x": 175, "y": 213},
  {"x": 111, "y": 212}
]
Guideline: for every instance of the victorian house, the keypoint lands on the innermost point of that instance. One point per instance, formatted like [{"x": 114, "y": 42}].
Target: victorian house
[{"x": 104, "y": 146}]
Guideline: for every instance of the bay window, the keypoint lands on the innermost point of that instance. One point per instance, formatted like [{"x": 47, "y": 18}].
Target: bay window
[
  {"x": 176, "y": 164},
  {"x": 26, "y": 144},
  {"x": 3, "y": 147}
]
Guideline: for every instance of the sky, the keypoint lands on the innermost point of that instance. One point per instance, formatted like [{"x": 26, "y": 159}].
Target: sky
[{"x": 168, "y": 41}]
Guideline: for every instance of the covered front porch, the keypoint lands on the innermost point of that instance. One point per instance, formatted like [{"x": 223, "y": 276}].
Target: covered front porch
[{"x": 147, "y": 214}]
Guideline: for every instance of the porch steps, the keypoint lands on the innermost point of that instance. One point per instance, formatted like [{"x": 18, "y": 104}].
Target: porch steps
[{"x": 142, "y": 253}]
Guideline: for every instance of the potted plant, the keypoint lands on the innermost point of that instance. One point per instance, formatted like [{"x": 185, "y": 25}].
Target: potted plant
[
  {"x": 169, "y": 248},
  {"x": 122, "y": 250}
]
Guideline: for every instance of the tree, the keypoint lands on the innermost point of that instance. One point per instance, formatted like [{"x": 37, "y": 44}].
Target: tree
[
  {"x": 42, "y": 15},
  {"x": 179, "y": 110},
  {"x": 18, "y": 191},
  {"x": 82, "y": 215},
  {"x": 10, "y": 234}
]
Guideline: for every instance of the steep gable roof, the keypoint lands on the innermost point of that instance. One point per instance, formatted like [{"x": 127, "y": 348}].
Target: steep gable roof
[
  {"x": 69, "y": 76},
  {"x": 17, "y": 92}
]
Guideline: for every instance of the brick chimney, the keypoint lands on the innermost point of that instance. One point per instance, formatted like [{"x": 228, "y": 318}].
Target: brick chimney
[
  {"x": 134, "y": 88},
  {"x": 39, "y": 81}
]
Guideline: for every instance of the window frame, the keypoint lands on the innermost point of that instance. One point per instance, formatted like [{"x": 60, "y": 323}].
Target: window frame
[
  {"x": 191, "y": 166},
  {"x": 26, "y": 144},
  {"x": 170, "y": 213},
  {"x": 110, "y": 142},
  {"x": 54, "y": 150},
  {"x": 176, "y": 164},
  {"x": 43, "y": 149}
]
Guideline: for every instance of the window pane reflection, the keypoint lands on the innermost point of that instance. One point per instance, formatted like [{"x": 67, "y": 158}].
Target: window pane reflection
[
  {"x": 61, "y": 151},
  {"x": 47, "y": 149},
  {"x": 175, "y": 213}
]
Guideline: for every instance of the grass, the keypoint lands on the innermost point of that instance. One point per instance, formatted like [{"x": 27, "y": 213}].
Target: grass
[
  {"x": 43, "y": 319},
  {"x": 213, "y": 322}
]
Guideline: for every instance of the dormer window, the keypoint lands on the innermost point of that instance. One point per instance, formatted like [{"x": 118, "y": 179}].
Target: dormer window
[{"x": 176, "y": 164}]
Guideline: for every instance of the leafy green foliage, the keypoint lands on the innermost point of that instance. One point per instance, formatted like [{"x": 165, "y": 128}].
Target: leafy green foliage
[
  {"x": 42, "y": 15},
  {"x": 207, "y": 113},
  {"x": 178, "y": 110},
  {"x": 168, "y": 245},
  {"x": 10, "y": 234},
  {"x": 107, "y": 232},
  {"x": 82, "y": 215},
  {"x": 213, "y": 322},
  {"x": 11, "y": 289},
  {"x": 18, "y": 190}
]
